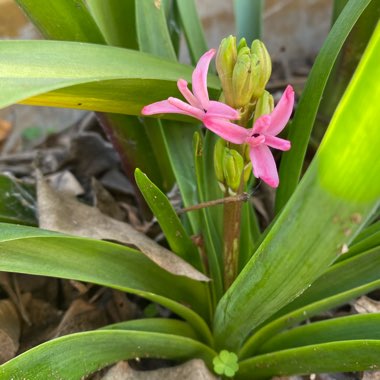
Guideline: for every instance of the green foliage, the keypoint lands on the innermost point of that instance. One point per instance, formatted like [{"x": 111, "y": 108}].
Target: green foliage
[{"x": 298, "y": 268}]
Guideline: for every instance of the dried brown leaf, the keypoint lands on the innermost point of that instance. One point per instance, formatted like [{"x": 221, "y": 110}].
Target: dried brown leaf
[
  {"x": 191, "y": 370},
  {"x": 61, "y": 213},
  {"x": 10, "y": 327},
  {"x": 80, "y": 316},
  {"x": 364, "y": 305}
]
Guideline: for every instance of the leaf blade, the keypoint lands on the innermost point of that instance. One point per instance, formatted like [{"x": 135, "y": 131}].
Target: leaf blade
[
  {"x": 303, "y": 121},
  {"x": 74, "y": 356}
]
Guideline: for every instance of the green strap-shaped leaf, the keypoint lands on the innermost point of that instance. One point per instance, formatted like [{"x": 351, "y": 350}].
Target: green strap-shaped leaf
[
  {"x": 367, "y": 232},
  {"x": 35, "y": 251},
  {"x": 86, "y": 76},
  {"x": 193, "y": 29},
  {"x": 345, "y": 65},
  {"x": 249, "y": 19},
  {"x": 353, "y": 327},
  {"x": 343, "y": 276},
  {"x": 253, "y": 344},
  {"x": 156, "y": 325},
  {"x": 152, "y": 31},
  {"x": 303, "y": 121},
  {"x": 17, "y": 202},
  {"x": 77, "y": 355},
  {"x": 338, "y": 193},
  {"x": 209, "y": 231},
  {"x": 116, "y": 20},
  {"x": 178, "y": 239},
  {"x": 74, "y": 24},
  {"x": 347, "y": 356},
  {"x": 362, "y": 246}
]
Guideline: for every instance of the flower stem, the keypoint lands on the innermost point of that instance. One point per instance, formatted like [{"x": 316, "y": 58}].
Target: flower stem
[{"x": 231, "y": 247}]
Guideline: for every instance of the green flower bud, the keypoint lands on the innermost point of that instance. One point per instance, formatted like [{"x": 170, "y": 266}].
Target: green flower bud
[
  {"x": 219, "y": 160},
  {"x": 264, "y": 105},
  {"x": 242, "y": 79},
  {"x": 233, "y": 165},
  {"x": 242, "y": 43},
  {"x": 262, "y": 67},
  {"x": 247, "y": 171},
  {"x": 225, "y": 62}
]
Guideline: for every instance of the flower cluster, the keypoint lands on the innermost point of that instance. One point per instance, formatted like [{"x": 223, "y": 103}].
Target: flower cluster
[{"x": 216, "y": 116}]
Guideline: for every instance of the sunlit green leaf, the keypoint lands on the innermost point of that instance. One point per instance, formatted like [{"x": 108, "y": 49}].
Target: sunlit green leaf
[
  {"x": 86, "y": 76},
  {"x": 338, "y": 193},
  {"x": 303, "y": 121}
]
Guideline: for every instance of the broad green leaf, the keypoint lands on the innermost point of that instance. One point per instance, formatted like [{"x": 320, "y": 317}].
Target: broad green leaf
[
  {"x": 338, "y": 193},
  {"x": 193, "y": 29},
  {"x": 345, "y": 64},
  {"x": 353, "y": 327},
  {"x": 253, "y": 344},
  {"x": 303, "y": 121},
  {"x": 249, "y": 19},
  {"x": 367, "y": 232},
  {"x": 116, "y": 20},
  {"x": 77, "y": 355},
  {"x": 86, "y": 76},
  {"x": 74, "y": 24},
  {"x": 35, "y": 251},
  {"x": 152, "y": 31},
  {"x": 209, "y": 231},
  {"x": 346, "y": 356},
  {"x": 181, "y": 135},
  {"x": 154, "y": 37},
  {"x": 371, "y": 241},
  {"x": 17, "y": 202},
  {"x": 156, "y": 325},
  {"x": 343, "y": 276},
  {"x": 178, "y": 239}
]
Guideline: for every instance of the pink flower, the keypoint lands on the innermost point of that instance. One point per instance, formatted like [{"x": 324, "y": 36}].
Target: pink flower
[
  {"x": 199, "y": 105},
  {"x": 216, "y": 117},
  {"x": 260, "y": 137}
]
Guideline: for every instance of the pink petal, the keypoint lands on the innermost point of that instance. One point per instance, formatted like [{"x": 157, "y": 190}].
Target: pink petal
[
  {"x": 254, "y": 141},
  {"x": 164, "y": 106},
  {"x": 187, "y": 94},
  {"x": 226, "y": 130},
  {"x": 281, "y": 113},
  {"x": 261, "y": 124},
  {"x": 187, "y": 108},
  {"x": 264, "y": 166},
  {"x": 219, "y": 109},
  {"x": 277, "y": 143},
  {"x": 199, "y": 78}
]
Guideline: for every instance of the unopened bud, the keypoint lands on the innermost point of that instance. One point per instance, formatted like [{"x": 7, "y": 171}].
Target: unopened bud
[
  {"x": 264, "y": 105},
  {"x": 233, "y": 169},
  {"x": 242, "y": 43},
  {"x": 219, "y": 160},
  {"x": 247, "y": 171},
  {"x": 225, "y": 62},
  {"x": 243, "y": 78},
  {"x": 262, "y": 67}
]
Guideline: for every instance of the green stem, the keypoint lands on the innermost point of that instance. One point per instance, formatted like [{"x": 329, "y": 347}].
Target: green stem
[{"x": 231, "y": 248}]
